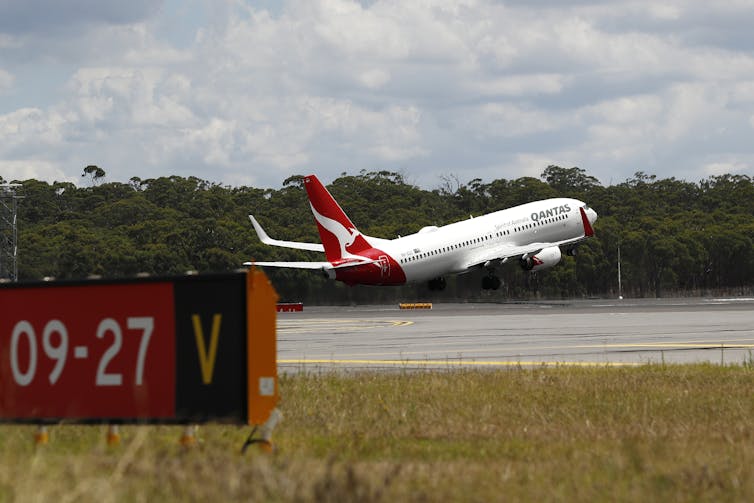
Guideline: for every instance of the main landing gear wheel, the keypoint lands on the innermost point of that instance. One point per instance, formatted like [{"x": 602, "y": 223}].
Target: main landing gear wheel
[
  {"x": 436, "y": 284},
  {"x": 490, "y": 283}
]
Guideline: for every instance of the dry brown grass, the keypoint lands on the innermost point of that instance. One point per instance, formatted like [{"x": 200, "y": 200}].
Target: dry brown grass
[{"x": 679, "y": 433}]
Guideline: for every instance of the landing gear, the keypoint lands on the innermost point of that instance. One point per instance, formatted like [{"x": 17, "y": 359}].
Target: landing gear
[
  {"x": 490, "y": 282},
  {"x": 437, "y": 284},
  {"x": 527, "y": 264},
  {"x": 572, "y": 252}
]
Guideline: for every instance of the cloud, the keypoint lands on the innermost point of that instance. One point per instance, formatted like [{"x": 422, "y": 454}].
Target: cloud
[
  {"x": 6, "y": 81},
  {"x": 520, "y": 85},
  {"x": 727, "y": 168},
  {"x": 36, "y": 169},
  {"x": 141, "y": 97},
  {"x": 28, "y": 130},
  {"x": 374, "y": 78},
  {"x": 234, "y": 91},
  {"x": 43, "y": 17}
]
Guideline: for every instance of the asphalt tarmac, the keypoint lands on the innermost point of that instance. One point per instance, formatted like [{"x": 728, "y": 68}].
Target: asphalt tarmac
[{"x": 589, "y": 332}]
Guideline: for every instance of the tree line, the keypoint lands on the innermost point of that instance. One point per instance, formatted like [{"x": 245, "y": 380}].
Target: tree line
[{"x": 674, "y": 237}]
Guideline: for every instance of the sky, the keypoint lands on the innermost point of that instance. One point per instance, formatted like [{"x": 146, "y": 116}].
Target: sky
[{"x": 252, "y": 92}]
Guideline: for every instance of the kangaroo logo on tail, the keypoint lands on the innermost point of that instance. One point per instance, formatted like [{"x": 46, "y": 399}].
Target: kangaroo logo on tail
[{"x": 340, "y": 237}]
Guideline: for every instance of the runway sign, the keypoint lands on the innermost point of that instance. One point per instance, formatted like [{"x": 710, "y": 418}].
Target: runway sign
[{"x": 182, "y": 349}]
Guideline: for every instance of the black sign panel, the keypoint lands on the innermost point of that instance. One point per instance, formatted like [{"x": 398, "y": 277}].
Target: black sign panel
[{"x": 211, "y": 348}]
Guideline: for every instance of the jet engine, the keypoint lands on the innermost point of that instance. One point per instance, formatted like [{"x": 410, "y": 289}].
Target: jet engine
[{"x": 545, "y": 259}]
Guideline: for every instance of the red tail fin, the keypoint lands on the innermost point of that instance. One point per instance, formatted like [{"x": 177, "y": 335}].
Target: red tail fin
[{"x": 339, "y": 236}]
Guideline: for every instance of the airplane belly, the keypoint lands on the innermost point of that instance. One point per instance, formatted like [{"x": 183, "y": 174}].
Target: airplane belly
[{"x": 425, "y": 271}]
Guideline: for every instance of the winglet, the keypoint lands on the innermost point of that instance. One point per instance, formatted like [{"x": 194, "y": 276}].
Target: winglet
[
  {"x": 588, "y": 231},
  {"x": 266, "y": 239},
  {"x": 263, "y": 236}
]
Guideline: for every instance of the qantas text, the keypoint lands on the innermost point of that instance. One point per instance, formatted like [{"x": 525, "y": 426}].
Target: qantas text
[{"x": 552, "y": 212}]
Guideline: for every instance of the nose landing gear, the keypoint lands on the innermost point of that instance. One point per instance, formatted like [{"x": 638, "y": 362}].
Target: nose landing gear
[{"x": 437, "y": 284}]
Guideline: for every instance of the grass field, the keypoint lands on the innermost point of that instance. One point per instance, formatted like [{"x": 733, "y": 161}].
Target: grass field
[{"x": 652, "y": 433}]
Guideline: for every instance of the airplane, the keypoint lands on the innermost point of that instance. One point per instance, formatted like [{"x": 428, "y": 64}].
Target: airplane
[{"x": 532, "y": 234}]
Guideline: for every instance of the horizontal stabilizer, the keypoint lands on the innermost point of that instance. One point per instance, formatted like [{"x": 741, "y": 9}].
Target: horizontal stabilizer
[
  {"x": 293, "y": 265},
  {"x": 313, "y": 265}
]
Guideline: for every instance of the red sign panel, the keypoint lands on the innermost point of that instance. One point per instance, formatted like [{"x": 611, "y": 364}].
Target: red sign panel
[{"x": 96, "y": 351}]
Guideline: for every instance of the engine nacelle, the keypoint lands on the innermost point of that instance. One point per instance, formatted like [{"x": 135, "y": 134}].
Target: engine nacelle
[{"x": 545, "y": 259}]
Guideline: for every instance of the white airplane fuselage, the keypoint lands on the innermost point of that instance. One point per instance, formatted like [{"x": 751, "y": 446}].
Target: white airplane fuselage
[{"x": 435, "y": 252}]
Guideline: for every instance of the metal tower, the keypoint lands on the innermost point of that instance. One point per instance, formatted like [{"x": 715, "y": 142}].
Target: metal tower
[{"x": 9, "y": 231}]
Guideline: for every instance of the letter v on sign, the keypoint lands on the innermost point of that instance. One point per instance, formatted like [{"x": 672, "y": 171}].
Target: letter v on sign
[{"x": 207, "y": 361}]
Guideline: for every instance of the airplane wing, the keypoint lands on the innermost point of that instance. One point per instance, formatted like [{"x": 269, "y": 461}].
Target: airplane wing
[
  {"x": 506, "y": 251},
  {"x": 264, "y": 238}
]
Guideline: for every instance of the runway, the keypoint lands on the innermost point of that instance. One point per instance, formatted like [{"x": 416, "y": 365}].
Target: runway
[{"x": 594, "y": 332}]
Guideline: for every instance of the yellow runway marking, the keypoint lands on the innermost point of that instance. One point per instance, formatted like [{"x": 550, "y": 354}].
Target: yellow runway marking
[
  {"x": 699, "y": 345},
  {"x": 450, "y": 363}
]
